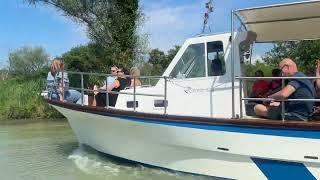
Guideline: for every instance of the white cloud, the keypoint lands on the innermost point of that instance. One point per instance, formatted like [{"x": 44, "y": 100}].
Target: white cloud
[
  {"x": 168, "y": 18},
  {"x": 171, "y": 25}
]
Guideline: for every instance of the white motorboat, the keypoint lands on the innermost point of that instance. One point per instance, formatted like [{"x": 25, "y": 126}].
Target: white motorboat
[{"x": 193, "y": 120}]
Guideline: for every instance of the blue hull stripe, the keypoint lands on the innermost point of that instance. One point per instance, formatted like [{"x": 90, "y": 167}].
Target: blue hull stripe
[
  {"x": 283, "y": 170},
  {"x": 310, "y": 134}
]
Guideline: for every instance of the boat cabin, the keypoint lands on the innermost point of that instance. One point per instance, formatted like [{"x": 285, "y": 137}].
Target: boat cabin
[{"x": 199, "y": 80}]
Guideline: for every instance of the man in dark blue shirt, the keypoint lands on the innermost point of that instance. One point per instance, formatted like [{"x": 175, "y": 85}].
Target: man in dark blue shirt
[{"x": 295, "y": 89}]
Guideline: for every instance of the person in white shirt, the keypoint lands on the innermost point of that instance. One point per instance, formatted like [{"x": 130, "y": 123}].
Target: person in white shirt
[
  {"x": 113, "y": 76},
  {"x": 109, "y": 80}
]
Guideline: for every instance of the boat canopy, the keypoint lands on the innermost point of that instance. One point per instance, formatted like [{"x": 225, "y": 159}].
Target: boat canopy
[{"x": 283, "y": 22}]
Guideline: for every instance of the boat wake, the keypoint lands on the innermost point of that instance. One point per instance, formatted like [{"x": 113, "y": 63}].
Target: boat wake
[
  {"x": 94, "y": 163},
  {"x": 91, "y": 163}
]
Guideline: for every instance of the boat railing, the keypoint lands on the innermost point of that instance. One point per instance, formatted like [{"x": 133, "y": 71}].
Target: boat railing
[
  {"x": 241, "y": 79},
  {"x": 82, "y": 89}
]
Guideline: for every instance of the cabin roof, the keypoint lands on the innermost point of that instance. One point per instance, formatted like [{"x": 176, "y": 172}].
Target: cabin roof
[{"x": 283, "y": 22}]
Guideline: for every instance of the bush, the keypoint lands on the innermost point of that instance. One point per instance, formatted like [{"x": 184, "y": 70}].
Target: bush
[{"x": 20, "y": 99}]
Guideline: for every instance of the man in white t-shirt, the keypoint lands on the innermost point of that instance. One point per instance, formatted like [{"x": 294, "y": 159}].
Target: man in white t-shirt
[
  {"x": 109, "y": 80},
  {"x": 113, "y": 76}
]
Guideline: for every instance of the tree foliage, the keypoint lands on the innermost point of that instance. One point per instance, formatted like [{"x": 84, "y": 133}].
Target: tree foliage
[
  {"x": 84, "y": 59},
  {"x": 157, "y": 57},
  {"x": 265, "y": 68},
  {"x": 158, "y": 61},
  {"x": 171, "y": 54},
  {"x": 305, "y": 53},
  {"x": 111, "y": 25},
  {"x": 28, "y": 61},
  {"x": 20, "y": 99},
  {"x": 3, "y": 74}
]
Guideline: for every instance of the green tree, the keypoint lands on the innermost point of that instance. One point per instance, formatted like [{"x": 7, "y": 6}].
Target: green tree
[
  {"x": 112, "y": 25},
  {"x": 305, "y": 53},
  {"x": 279, "y": 52},
  {"x": 3, "y": 74},
  {"x": 265, "y": 68},
  {"x": 86, "y": 58},
  {"x": 157, "y": 56},
  {"x": 28, "y": 61},
  {"x": 159, "y": 61},
  {"x": 172, "y": 53}
]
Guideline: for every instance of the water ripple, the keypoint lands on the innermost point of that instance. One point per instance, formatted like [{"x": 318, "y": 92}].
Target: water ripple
[{"x": 50, "y": 151}]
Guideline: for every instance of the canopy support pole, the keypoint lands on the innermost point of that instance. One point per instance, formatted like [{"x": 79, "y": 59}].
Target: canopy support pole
[{"x": 232, "y": 63}]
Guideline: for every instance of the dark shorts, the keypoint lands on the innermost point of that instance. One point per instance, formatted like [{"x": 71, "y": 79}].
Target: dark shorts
[{"x": 274, "y": 112}]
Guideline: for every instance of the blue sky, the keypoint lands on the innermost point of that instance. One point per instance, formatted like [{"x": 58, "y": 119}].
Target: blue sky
[{"x": 168, "y": 23}]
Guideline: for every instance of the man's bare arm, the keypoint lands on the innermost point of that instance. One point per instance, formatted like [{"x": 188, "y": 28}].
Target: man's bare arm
[
  {"x": 284, "y": 93},
  {"x": 115, "y": 84}
]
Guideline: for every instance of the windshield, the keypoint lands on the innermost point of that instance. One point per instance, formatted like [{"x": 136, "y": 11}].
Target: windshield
[{"x": 191, "y": 64}]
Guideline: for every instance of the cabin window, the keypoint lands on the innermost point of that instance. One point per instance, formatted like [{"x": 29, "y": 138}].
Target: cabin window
[
  {"x": 191, "y": 64},
  {"x": 130, "y": 104},
  {"x": 160, "y": 103},
  {"x": 216, "y": 63}
]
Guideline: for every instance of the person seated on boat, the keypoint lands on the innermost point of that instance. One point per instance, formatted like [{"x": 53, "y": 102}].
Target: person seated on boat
[
  {"x": 295, "y": 89},
  {"x": 58, "y": 84},
  {"x": 316, "y": 83},
  {"x": 119, "y": 84},
  {"x": 126, "y": 75},
  {"x": 113, "y": 77},
  {"x": 216, "y": 67},
  {"x": 260, "y": 87},
  {"x": 275, "y": 84},
  {"x": 109, "y": 80},
  {"x": 258, "y": 90},
  {"x": 135, "y": 73}
]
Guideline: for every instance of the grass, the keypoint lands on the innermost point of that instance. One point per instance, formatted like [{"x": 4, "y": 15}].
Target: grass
[{"x": 20, "y": 99}]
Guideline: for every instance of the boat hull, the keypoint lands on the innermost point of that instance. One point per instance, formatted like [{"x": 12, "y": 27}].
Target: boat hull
[{"x": 199, "y": 149}]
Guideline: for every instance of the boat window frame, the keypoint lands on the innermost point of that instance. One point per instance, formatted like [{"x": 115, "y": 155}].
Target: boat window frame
[
  {"x": 205, "y": 74},
  {"x": 223, "y": 60}
]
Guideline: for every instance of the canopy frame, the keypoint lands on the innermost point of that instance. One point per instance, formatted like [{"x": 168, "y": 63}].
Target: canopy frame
[{"x": 286, "y": 15}]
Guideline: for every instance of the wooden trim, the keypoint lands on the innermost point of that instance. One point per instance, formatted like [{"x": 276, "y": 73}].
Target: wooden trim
[{"x": 254, "y": 123}]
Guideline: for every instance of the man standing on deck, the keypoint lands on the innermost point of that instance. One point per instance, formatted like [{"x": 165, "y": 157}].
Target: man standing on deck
[{"x": 295, "y": 89}]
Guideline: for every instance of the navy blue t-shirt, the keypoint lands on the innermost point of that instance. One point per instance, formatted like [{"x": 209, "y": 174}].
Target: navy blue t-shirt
[{"x": 304, "y": 90}]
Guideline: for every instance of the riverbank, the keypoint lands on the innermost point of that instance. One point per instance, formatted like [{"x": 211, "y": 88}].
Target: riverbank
[
  {"x": 20, "y": 99},
  {"x": 31, "y": 121}
]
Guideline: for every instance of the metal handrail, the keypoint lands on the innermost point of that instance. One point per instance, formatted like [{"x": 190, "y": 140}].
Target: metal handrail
[
  {"x": 103, "y": 74},
  {"x": 82, "y": 89},
  {"x": 255, "y": 78},
  {"x": 286, "y": 100},
  {"x": 115, "y": 92},
  {"x": 271, "y": 99}
]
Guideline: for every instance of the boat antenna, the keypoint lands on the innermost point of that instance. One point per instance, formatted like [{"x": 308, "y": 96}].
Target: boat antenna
[{"x": 209, "y": 7}]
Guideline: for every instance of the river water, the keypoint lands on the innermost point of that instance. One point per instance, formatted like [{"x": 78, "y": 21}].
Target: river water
[{"x": 49, "y": 150}]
